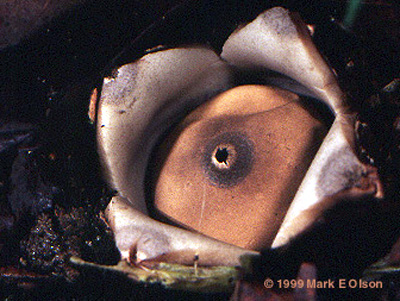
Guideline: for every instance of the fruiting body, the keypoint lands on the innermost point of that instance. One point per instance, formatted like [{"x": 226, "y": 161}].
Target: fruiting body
[{"x": 141, "y": 102}]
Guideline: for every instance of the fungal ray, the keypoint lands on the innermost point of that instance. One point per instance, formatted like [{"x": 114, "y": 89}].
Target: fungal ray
[
  {"x": 136, "y": 107},
  {"x": 152, "y": 240},
  {"x": 279, "y": 40}
]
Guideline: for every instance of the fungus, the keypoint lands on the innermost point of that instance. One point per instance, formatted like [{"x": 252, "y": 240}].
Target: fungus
[{"x": 158, "y": 90}]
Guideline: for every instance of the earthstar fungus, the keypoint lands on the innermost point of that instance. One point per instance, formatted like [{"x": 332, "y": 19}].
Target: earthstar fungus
[{"x": 145, "y": 98}]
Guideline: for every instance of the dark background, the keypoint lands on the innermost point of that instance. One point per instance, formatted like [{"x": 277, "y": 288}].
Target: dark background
[{"x": 51, "y": 190}]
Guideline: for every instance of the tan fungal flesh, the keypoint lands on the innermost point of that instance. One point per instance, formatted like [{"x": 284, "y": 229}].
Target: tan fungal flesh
[{"x": 245, "y": 210}]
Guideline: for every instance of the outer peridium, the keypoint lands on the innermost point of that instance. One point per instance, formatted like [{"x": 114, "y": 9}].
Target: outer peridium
[{"x": 145, "y": 97}]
